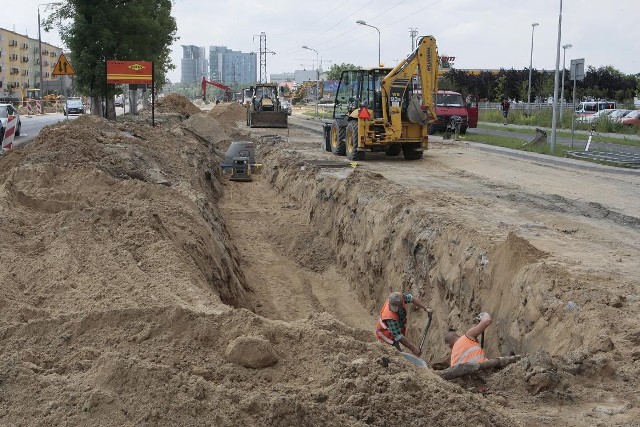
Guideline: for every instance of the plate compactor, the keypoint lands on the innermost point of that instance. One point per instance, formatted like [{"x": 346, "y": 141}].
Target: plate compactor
[{"x": 239, "y": 160}]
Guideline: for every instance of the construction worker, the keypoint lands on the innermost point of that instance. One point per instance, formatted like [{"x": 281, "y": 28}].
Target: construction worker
[
  {"x": 466, "y": 348},
  {"x": 392, "y": 321}
]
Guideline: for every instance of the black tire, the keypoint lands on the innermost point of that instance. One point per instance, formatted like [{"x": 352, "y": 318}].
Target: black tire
[
  {"x": 352, "y": 142},
  {"x": 393, "y": 150},
  {"x": 431, "y": 129},
  {"x": 18, "y": 128},
  {"x": 463, "y": 130},
  {"x": 338, "y": 136},
  {"x": 410, "y": 151}
]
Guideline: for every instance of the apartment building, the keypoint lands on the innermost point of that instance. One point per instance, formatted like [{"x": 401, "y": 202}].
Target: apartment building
[
  {"x": 20, "y": 65},
  {"x": 232, "y": 67}
]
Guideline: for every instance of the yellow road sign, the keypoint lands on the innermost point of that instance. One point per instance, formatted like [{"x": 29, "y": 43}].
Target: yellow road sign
[{"x": 63, "y": 67}]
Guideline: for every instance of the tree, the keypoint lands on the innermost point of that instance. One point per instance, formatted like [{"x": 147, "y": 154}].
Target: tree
[
  {"x": 99, "y": 30},
  {"x": 336, "y": 70}
]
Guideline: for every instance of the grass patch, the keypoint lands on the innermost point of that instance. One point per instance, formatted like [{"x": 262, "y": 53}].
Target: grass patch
[{"x": 543, "y": 118}]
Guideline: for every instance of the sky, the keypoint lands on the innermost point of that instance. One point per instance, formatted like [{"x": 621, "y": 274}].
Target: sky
[{"x": 489, "y": 34}]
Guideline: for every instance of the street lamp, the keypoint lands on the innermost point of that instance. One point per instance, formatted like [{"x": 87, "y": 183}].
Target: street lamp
[
  {"x": 361, "y": 22},
  {"x": 40, "y": 45},
  {"x": 564, "y": 54},
  {"x": 533, "y": 27},
  {"x": 317, "y": 75}
]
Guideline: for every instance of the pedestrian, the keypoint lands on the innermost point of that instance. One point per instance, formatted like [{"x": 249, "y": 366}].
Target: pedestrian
[
  {"x": 504, "y": 106},
  {"x": 466, "y": 348},
  {"x": 392, "y": 321}
]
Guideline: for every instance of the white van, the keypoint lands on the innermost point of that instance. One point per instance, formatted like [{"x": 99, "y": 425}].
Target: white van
[{"x": 587, "y": 108}]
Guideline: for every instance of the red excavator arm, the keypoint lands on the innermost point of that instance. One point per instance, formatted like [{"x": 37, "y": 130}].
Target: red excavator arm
[{"x": 226, "y": 89}]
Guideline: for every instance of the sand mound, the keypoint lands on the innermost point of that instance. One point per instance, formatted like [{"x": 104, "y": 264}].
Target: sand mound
[
  {"x": 229, "y": 113},
  {"x": 175, "y": 103}
]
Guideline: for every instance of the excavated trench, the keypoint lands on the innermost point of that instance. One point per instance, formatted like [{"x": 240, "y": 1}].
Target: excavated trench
[{"x": 382, "y": 240}]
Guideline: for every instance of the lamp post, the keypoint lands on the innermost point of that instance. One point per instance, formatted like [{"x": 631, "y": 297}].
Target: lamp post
[
  {"x": 564, "y": 54},
  {"x": 317, "y": 76},
  {"x": 40, "y": 46},
  {"x": 533, "y": 27},
  {"x": 361, "y": 22},
  {"x": 554, "y": 115}
]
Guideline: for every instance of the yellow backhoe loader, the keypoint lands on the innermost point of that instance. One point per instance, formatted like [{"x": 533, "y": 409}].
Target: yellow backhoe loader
[
  {"x": 264, "y": 109},
  {"x": 386, "y": 109}
]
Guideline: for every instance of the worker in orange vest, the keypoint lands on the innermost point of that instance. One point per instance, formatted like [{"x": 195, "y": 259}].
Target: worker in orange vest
[
  {"x": 467, "y": 348},
  {"x": 392, "y": 321}
]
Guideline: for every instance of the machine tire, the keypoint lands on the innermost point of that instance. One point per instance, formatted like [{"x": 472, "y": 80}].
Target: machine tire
[
  {"x": 463, "y": 130},
  {"x": 431, "y": 129},
  {"x": 338, "y": 135},
  {"x": 393, "y": 150},
  {"x": 352, "y": 142},
  {"x": 409, "y": 151},
  {"x": 18, "y": 127}
]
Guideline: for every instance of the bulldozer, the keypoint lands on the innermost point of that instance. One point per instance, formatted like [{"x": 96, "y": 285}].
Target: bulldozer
[
  {"x": 386, "y": 109},
  {"x": 264, "y": 109}
]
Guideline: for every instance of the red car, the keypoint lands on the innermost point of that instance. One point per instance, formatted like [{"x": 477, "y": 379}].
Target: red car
[{"x": 633, "y": 118}]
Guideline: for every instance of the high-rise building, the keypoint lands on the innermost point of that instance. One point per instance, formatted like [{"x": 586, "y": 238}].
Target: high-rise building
[
  {"x": 193, "y": 64},
  {"x": 20, "y": 58},
  {"x": 228, "y": 66}
]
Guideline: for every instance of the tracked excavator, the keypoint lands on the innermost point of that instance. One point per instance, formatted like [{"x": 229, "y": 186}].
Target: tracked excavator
[
  {"x": 382, "y": 109},
  {"x": 264, "y": 109},
  {"x": 228, "y": 93}
]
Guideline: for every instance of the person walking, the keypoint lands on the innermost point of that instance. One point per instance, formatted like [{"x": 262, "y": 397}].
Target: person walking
[
  {"x": 504, "y": 106},
  {"x": 392, "y": 322},
  {"x": 466, "y": 348}
]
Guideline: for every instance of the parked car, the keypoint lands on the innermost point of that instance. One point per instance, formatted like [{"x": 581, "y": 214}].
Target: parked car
[
  {"x": 602, "y": 114},
  {"x": 7, "y": 110},
  {"x": 285, "y": 105},
  {"x": 618, "y": 115},
  {"x": 73, "y": 106},
  {"x": 633, "y": 118}
]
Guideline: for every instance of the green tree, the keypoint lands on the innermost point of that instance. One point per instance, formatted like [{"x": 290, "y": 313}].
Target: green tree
[
  {"x": 336, "y": 70},
  {"x": 99, "y": 30}
]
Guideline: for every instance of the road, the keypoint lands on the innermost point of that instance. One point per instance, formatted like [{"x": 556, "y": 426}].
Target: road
[{"x": 31, "y": 126}]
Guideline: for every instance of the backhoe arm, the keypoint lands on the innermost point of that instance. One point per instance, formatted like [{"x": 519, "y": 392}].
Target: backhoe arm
[{"x": 422, "y": 62}]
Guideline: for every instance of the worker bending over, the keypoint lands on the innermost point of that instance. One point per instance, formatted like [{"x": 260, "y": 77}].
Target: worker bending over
[
  {"x": 466, "y": 348},
  {"x": 392, "y": 321}
]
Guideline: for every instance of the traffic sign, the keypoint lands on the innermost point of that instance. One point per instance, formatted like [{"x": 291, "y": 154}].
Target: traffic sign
[{"x": 63, "y": 67}]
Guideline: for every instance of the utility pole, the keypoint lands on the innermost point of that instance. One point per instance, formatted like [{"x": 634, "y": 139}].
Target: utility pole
[
  {"x": 263, "y": 57},
  {"x": 413, "y": 33}
]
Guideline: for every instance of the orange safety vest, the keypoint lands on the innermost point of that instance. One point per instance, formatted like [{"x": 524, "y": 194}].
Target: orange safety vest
[
  {"x": 382, "y": 332},
  {"x": 466, "y": 350}
]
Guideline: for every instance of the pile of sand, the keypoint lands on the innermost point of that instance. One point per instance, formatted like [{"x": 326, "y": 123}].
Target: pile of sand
[
  {"x": 123, "y": 303},
  {"x": 177, "y": 104}
]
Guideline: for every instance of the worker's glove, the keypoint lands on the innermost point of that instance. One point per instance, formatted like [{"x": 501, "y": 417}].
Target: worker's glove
[{"x": 483, "y": 316}]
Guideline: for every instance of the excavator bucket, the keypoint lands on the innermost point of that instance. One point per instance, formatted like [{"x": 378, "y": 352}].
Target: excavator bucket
[{"x": 269, "y": 119}]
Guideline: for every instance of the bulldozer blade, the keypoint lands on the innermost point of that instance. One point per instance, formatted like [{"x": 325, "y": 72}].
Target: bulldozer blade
[{"x": 269, "y": 119}]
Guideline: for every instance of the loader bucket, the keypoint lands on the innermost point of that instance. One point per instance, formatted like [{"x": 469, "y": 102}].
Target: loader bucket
[{"x": 269, "y": 119}]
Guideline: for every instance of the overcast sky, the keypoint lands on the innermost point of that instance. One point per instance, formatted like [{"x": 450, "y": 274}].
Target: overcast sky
[{"x": 488, "y": 34}]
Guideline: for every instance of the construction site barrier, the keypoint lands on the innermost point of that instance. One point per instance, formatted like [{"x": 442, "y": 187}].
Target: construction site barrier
[{"x": 9, "y": 133}]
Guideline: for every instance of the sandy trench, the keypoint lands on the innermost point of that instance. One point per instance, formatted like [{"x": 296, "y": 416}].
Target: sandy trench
[{"x": 143, "y": 288}]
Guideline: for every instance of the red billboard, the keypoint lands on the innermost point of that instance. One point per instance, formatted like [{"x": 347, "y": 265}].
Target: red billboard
[{"x": 120, "y": 72}]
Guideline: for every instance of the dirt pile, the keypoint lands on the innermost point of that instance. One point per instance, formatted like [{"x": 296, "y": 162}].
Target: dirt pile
[
  {"x": 124, "y": 303},
  {"x": 177, "y": 104},
  {"x": 229, "y": 114}
]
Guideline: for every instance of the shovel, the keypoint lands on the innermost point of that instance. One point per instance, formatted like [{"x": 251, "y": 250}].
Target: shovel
[{"x": 410, "y": 357}]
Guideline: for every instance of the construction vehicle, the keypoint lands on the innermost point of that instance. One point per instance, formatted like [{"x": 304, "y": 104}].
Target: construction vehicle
[
  {"x": 228, "y": 93},
  {"x": 307, "y": 92},
  {"x": 379, "y": 109},
  {"x": 264, "y": 109}
]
